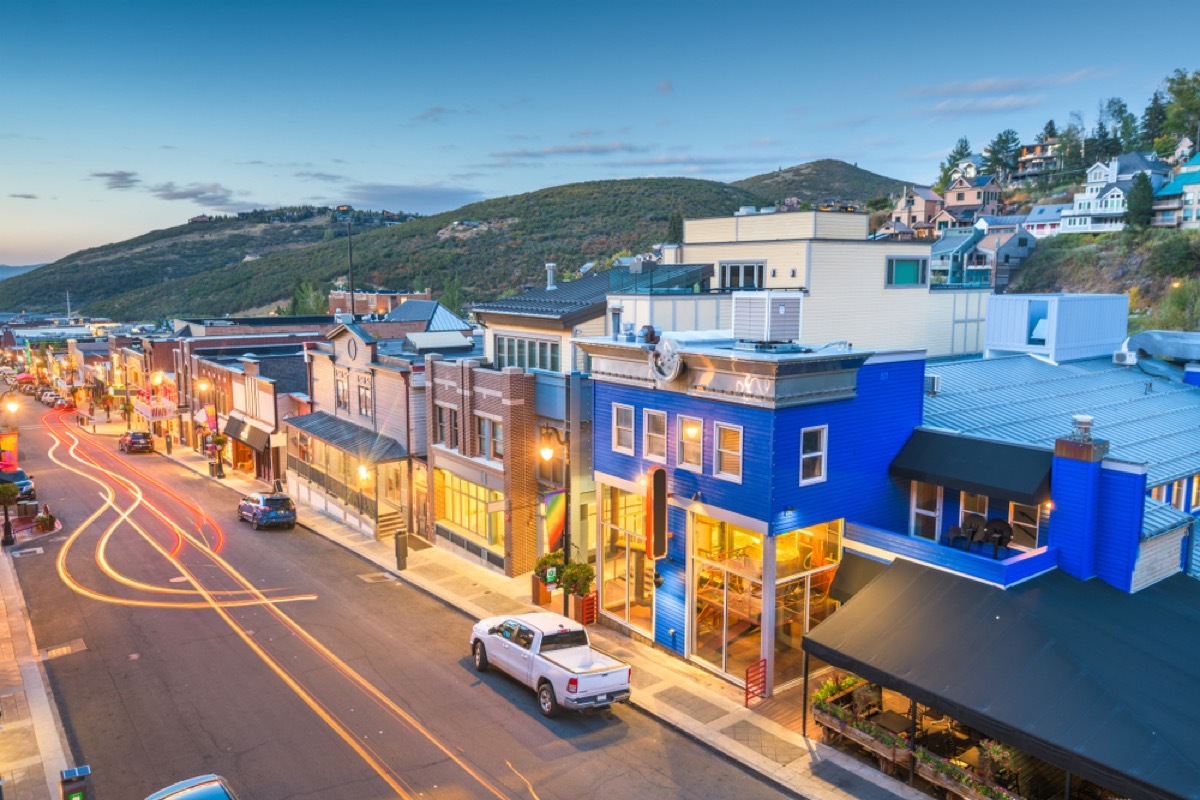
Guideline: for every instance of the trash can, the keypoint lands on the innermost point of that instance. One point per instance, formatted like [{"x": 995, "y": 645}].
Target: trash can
[{"x": 212, "y": 469}]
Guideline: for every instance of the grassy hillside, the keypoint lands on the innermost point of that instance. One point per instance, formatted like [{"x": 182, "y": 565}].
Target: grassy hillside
[
  {"x": 153, "y": 261},
  {"x": 827, "y": 179},
  {"x": 569, "y": 224}
]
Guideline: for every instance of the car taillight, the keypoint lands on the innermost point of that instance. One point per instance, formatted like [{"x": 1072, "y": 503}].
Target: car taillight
[{"x": 573, "y": 686}]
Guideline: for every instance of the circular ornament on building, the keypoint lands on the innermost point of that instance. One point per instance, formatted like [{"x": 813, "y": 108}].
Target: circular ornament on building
[
  {"x": 666, "y": 362},
  {"x": 352, "y": 347}
]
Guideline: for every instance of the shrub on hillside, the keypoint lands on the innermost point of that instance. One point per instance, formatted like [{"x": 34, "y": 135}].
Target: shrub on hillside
[{"x": 1175, "y": 256}]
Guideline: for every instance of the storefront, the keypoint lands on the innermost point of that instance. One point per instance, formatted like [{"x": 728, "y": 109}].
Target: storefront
[
  {"x": 626, "y": 584},
  {"x": 471, "y": 513}
]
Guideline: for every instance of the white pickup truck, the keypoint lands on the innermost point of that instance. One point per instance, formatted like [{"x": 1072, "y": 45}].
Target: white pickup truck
[{"x": 551, "y": 654}]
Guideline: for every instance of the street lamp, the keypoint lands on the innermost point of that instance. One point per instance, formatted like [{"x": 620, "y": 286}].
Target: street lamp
[{"x": 552, "y": 440}]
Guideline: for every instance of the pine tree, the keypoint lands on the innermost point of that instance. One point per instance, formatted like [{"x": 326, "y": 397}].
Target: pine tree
[
  {"x": 1000, "y": 156},
  {"x": 1153, "y": 119},
  {"x": 1140, "y": 201},
  {"x": 1048, "y": 132},
  {"x": 675, "y": 228},
  {"x": 961, "y": 150},
  {"x": 1183, "y": 108}
]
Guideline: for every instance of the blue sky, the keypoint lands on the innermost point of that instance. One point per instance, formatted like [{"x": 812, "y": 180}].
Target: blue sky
[{"x": 118, "y": 117}]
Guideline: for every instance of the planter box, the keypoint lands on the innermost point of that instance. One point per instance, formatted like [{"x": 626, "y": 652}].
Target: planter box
[
  {"x": 888, "y": 754},
  {"x": 948, "y": 783}
]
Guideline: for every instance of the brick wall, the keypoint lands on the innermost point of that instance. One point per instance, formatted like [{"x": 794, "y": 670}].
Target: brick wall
[{"x": 507, "y": 395}]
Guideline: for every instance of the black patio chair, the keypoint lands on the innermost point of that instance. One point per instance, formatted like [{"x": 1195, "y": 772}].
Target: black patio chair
[
  {"x": 955, "y": 533},
  {"x": 999, "y": 533},
  {"x": 972, "y": 529}
]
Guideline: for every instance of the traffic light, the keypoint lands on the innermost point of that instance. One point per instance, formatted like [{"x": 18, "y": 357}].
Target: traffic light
[{"x": 656, "y": 511}]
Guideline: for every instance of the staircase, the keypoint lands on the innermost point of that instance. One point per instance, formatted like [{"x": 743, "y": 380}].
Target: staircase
[{"x": 388, "y": 525}]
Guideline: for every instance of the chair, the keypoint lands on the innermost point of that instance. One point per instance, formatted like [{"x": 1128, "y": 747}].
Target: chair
[
  {"x": 972, "y": 528},
  {"x": 999, "y": 533},
  {"x": 955, "y": 533}
]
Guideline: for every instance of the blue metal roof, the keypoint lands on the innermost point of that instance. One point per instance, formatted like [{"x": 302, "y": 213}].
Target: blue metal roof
[
  {"x": 1177, "y": 185},
  {"x": 1146, "y": 419},
  {"x": 1159, "y": 518}
]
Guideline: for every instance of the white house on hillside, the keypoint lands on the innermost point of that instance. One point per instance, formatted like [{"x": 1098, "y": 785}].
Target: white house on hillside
[{"x": 1102, "y": 205}]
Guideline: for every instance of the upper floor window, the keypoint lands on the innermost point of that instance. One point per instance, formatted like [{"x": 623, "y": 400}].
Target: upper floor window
[
  {"x": 341, "y": 392},
  {"x": 527, "y": 353},
  {"x": 446, "y": 429},
  {"x": 729, "y": 452},
  {"x": 812, "y": 454},
  {"x": 907, "y": 271},
  {"x": 490, "y": 434},
  {"x": 365, "y": 407},
  {"x": 1178, "y": 493},
  {"x": 654, "y": 435},
  {"x": 1196, "y": 492},
  {"x": 691, "y": 443},
  {"x": 972, "y": 504},
  {"x": 959, "y": 196},
  {"x": 1159, "y": 493},
  {"x": 622, "y": 423},
  {"x": 742, "y": 276},
  {"x": 1024, "y": 521}
]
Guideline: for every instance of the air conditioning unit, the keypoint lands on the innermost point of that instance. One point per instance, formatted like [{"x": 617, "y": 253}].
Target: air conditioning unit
[
  {"x": 1125, "y": 358},
  {"x": 933, "y": 384},
  {"x": 767, "y": 316}
]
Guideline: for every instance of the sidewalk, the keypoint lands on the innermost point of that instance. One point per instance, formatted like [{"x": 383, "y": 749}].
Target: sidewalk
[
  {"x": 684, "y": 696},
  {"x": 680, "y": 694}
]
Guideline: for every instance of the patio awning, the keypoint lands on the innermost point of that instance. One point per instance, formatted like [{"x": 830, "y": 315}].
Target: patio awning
[
  {"x": 364, "y": 443},
  {"x": 243, "y": 431},
  {"x": 1005, "y": 470},
  {"x": 854, "y": 573},
  {"x": 1077, "y": 673}
]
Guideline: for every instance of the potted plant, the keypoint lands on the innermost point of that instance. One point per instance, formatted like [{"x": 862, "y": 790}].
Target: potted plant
[
  {"x": 577, "y": 579},
  {"x": 216, "y": 445},
  {"x": 540, "y": 592},
  {"x": 44, "y": 521}
]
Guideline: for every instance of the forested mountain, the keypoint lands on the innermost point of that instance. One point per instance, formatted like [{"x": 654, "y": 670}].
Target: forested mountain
[{"x": 475, "y": 253}]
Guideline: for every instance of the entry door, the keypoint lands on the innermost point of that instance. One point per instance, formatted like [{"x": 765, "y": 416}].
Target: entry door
[{"x": 727, "y": 621}]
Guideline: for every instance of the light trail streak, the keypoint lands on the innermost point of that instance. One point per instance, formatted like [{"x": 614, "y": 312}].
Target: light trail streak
[{"x": 221, "y": 606}]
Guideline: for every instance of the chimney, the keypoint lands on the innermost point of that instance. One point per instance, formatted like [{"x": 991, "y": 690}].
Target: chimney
[
  {"x": 1081, "y": 427},
  {"x": 550, "y": 287}
]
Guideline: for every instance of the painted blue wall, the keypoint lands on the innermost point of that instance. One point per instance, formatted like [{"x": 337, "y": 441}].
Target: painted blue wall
[
  {"x": 1119, "y": 526},
  {"x": 865, "y": 435},
  {"x": 1075, "y": 492},
  {"x": 670, "y": 599}
]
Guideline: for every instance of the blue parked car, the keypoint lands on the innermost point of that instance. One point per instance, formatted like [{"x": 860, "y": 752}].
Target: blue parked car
[
  {"x": 205, "y": 787},
  {"x": 268, "y": 508}
]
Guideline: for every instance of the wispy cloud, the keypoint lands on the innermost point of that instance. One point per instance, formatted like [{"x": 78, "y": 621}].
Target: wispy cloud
[
  {"x": 421, "y": 199},
  {"x": 24, "y": 196},
  {"x": 321, "y": 176},
  {"x": 587, "y": 133},
  {"x": 1002, "y": 86},
  {"x": 962, "y": 107},
  {"x": 581, "y": 149},
  {"x": 693, "y": 162},
  {"x": 664, "y": 87},
  {"x": 119, "y": 180},
  {"x": 432, "y": 114},
  {"x": 212, "y": 195},
  {"x": 167, "y": 147}
]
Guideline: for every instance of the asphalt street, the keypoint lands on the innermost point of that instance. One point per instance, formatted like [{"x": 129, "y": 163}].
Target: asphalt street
[{"x": 179, "y": 642}]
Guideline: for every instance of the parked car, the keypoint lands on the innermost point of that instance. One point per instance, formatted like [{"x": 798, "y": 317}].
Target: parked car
[
  {"x": 65, "y": 404},
  {"x": 268, "y": 508},
  {"x": 136, "y": 442},
  {"x": 48, "y": 398},
  {"x": 205, "y": 787},
  {"x": 552, "y": 655},
  {"x": 24, "y": 483}
]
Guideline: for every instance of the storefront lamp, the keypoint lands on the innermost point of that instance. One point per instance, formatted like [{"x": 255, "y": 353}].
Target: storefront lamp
[
  {"x": 547, "y": 453},
  {"x": 202, "y": 385},
  {"x": 363, "y": 472},
  {"x": 12, "y": 406},
  {"x": 157, "y": 378}
]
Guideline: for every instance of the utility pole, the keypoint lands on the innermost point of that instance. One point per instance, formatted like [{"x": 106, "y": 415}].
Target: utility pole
[{"x": 350, "y": 256}]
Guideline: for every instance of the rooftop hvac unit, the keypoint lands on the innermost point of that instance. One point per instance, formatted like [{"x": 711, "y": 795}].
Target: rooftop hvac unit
[
  {"x": 1125, "y": 358},
  {"x": 933, "y": 384},
  {"x": 766, "y": 316}
]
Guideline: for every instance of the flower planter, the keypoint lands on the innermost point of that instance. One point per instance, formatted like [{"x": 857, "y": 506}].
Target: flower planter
[
  {"x": 956, "y": 787},
  {"x": 889, "y": 755}
]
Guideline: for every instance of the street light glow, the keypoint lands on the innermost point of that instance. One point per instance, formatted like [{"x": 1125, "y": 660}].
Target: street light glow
[{"x": 547, "y": 453}]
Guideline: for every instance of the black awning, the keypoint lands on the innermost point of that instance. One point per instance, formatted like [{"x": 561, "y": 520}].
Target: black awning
[
  {"x": 1005, "y": 470},
  {"x": 853, "y": 574},
  {"x": 1081, "y": 675},
  {"x": 364, "y": 443},
  {"x": 233, "y": 427}
]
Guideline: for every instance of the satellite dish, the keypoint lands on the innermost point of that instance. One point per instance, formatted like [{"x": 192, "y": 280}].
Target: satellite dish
[
  {"x": 666, "y": 362},
  {"x": 972, "y": 528}
]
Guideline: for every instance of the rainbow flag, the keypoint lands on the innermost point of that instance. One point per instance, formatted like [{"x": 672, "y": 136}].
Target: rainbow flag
[{"x": 555, "y": 504}]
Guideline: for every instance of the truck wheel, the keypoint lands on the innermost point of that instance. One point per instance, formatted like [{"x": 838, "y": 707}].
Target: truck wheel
[
  {"x": 254, "y": 522},
  {"x": 547, "y": 703},
  {"x": 480, "y": 654}
]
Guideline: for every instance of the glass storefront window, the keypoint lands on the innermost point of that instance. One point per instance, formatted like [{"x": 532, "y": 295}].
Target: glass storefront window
[
  {"x": 627, "y": 574},
  {"x": 729, "y": 545},
  {"x": 472, "y": 508},
  {"x": 807, "y": 549}
]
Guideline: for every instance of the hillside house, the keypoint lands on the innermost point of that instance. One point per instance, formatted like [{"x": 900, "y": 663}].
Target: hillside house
[
  {"x": 1037, "y": 161},
  {"x": 1177, "y": 204},
  {"x": 1103, "y": 204},
  {"x": 966, "y": 199},
  {"x": 916, "y": 209}
]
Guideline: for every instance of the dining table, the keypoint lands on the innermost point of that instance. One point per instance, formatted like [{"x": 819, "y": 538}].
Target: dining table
[{"x": 892, "y": 721}]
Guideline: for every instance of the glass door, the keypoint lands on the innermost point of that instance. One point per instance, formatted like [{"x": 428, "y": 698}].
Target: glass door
[{"x": 727, "y": 628}]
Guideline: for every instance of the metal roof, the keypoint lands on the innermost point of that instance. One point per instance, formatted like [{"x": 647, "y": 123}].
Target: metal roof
[
  {"x": 435, "y": 315},
  {"x": 1159, "y": 518},
  {"x": 363, "y": 443},
  {"x": 1177, "y": 185},
  {"x": 1146, "y": 419}
]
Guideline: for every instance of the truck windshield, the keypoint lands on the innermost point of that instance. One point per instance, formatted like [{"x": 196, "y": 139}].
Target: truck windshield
[{"x": 564, "y": 640}]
